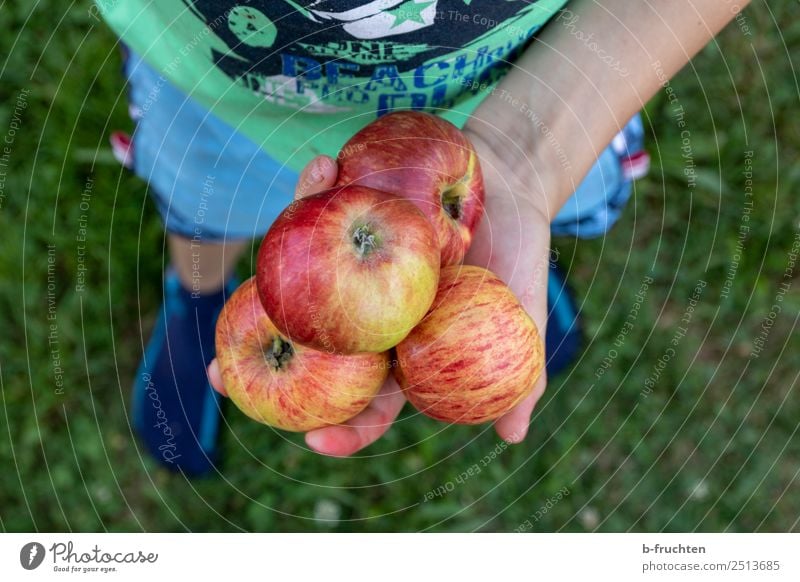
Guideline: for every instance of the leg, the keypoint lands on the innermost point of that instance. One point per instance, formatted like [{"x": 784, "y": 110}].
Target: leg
[
  {"x": 225, "y": 186},
  {"x": 203, "y": 268},
  {"x": 175, "y": 411}
]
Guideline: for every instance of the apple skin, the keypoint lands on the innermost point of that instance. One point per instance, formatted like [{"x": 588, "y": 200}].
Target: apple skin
[
  {"x": 294, "y": 388},
  {"x": 348, "y": 270},
  {"x": 427, "y": 160},
  {"x": 475, "y": 355}
]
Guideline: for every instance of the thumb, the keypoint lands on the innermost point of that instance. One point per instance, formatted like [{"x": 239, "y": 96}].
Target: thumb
[
  {"x": 215, "y": 377},
  {"x": 320, "y": 174}
]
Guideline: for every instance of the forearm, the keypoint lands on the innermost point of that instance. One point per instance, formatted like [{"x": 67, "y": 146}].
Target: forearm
[{"x": 590, "y": 70}]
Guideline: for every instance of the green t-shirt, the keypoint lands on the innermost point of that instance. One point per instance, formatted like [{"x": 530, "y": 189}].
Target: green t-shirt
[{"x": 300, "y": 77}]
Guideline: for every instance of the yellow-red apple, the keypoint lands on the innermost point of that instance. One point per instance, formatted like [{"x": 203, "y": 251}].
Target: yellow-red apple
[
  {"x": 283, "y": 384},
  {"x": 475, "y": 355},
  {"x": 348, "y": 270}
]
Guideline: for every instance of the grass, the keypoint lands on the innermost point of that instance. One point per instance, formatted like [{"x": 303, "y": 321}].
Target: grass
[{"x": 708, "y": 443}]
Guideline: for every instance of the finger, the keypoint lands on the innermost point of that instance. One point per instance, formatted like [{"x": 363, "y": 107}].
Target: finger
[
  {"x": 215, "y": 378},
  {"x": 513, "y": 426},
  {"x": 345, "y": 439},
  {"x": 320, "y": 174}
]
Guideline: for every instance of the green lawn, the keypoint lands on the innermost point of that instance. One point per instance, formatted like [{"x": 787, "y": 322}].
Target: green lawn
[{"x": 709, "y": 442}]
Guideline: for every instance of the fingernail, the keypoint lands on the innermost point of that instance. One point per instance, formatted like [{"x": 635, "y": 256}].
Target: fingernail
[
  {"x": 319, "y": 170},
  {"x": 517, "y": 436},
  {"x": 315, "y": 440}
]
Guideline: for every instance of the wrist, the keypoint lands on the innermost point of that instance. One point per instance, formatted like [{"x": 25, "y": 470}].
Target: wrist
[{"x": 517, "y": 158}]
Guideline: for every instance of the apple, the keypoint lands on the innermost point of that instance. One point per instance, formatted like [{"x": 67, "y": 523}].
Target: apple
[
  {"x": 475, "y": 355},
  {"x": 283, "y": 384},
  {"x": 348, "y": 270},
  {"x": 427, "y": 160}
]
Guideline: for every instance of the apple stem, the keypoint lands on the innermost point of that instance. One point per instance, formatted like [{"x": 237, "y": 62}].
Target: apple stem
[
  {"x": 451, "y": 199},
  {"x": 279, "y": 353},
  {"x": 364, "y": 240}
]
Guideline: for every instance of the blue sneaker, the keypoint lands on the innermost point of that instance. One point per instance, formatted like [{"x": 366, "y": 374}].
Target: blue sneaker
[
  {"x": 563, "y": 338},
  {"x": 176, "y": 412}
]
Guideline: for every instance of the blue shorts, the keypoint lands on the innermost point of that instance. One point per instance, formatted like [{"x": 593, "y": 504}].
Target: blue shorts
[{"x": 210, "y": 183}]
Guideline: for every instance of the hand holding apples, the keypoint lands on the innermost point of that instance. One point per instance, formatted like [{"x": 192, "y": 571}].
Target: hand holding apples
[{"x": 513, "y": 242}]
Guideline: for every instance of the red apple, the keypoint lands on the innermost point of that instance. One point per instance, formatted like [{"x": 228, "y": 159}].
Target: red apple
[
  {"x": 427, "y": 160},
  {"x": 348, "y": 270},
  {"x": 283, "y": 384},
  {"x": 475, "y": 355}
]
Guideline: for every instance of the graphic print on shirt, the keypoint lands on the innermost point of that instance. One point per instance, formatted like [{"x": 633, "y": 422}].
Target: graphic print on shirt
[{"x": 338, "y": 55}]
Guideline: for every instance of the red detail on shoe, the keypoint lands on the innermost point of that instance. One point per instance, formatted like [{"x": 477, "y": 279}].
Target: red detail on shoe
[
  {"x": 636, "y": 165},
  {"x": 122, "y": 147}
]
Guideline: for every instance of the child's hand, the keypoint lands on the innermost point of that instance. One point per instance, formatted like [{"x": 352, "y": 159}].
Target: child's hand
[{"x": 513, "y": 241}]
